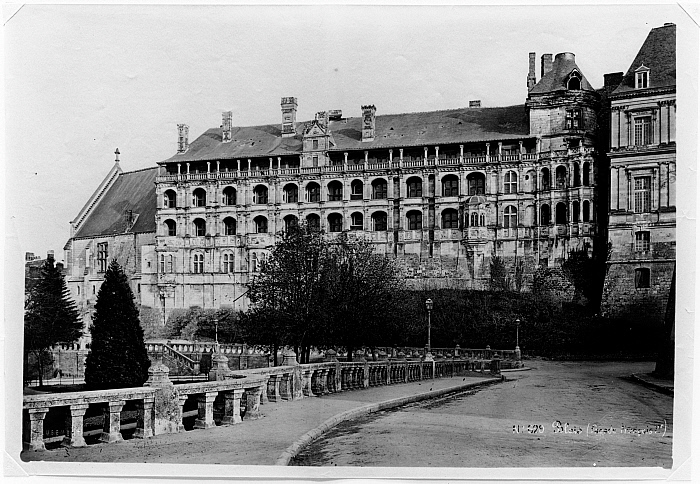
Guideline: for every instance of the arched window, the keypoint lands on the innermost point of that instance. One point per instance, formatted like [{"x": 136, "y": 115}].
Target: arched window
[
  {"x": 260, "y": 224},
  {"x": 414, "y": 187},
  {"x": 576, "y": 209},
  {"x": 290, "y": 222},
  {"x": 561, "y": 177},
  {"x": 356, "y": 222},
  {"x": 229, "y": 226},
  {"x": 545, "y": 215},
  {"x": 510, "y": 217},
  {"x": 561, "y": 213},
  {"x": 546, "y": 180},
  {"x": 577, "y": 175},
  {"x": 574, "y": 82},
  {"x": 169, "y": 199},
  {"x": 415, "y": 220},
  {"x": 356, "y": 188},
  {"x": 198, "y": 263},
  {"x": 161, "y": 264},
  {"x": 335, "y": 191},
  {"x": 510, "y": 182},
  {"x": 476, "y": 182},
  {"x": 450, "y": 219},
  {"x": 313, "y": 192},
  {"x": 170, "y": 228},
  {"x": 260, "y": 195},
  {"x": 474, "y": 219},
  {"x": 170, "y": 262},
  {"x": 229, "y": 196},
  {"x": 586, "y": 173},
  {"x": 379, "y": 189},
  {"x": 586, "y": 211},
  {"x": 335, "y": 222},
  {"x": 314, "y": 222},
  {"x": 482, "y": 220},
  {"x": 199, "y": 198},
  {"x": 291, "y": 193},
  {"x": 200, "y": 227},
  {"x": 531, "y": 179},
  {"x": 227, "y": 265},
  {"x": 379, "y": 221},
  {"x": 450, "y": 186}
]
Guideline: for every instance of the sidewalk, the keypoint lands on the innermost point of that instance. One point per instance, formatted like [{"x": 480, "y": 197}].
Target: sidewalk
[
  {"x": 253, "y": 442},
  {"x": 659, "y": 384}
]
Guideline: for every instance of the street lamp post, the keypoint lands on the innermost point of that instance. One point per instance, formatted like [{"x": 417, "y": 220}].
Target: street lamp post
[
  {"x": 429, "y": 307},
  {"x": 216, "y": 331},
  {"x": 518, "y": 355}
]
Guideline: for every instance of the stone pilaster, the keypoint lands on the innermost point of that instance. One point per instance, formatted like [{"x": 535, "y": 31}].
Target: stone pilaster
[
  {"x": 112, "y": 425},
  {"x": 36, "y": 431},
  {"x": 232, "y": 407},
  {"x": 205, "y": 410},
  {"x": 144, "y": 422},
  {"x": 74, "y": 426}
]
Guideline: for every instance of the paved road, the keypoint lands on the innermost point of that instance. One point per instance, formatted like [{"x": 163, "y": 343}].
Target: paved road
[{"x": 477, "y": 430}]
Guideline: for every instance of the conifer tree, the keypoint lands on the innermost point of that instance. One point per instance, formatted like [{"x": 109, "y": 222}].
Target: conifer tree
[
  {"x": 118, "y": 357},
  {"x": 50, "y": 316}
]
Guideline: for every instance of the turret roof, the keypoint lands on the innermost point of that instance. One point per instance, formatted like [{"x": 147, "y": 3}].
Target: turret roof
[{"x": 555, "y": 80}]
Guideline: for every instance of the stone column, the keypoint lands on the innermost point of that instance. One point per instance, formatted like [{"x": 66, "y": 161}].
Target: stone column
[
  {"x": 252, "y": 403},
  {"x": 323, "y": 382},
  {"x": 306, "y": 386},
  {"x": 144, "y": 421},
  {"x": 287, "y": 386},
  {"x": 74, "y": 426},
  {"x": 205, "y": 410},
  {"x": 273, "y": 388},
  {"x": 36, "y": 435},
  {"x": 112, "y": 426},
  {"x": 232, "y": 407},
  {"x": 181, "y": 409}
]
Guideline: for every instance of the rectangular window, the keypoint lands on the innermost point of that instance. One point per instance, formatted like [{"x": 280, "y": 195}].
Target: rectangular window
[
  {"x": 573, "y": 119},
  {"x": 641, "y": 278},
  {"x": 314, "y": 161},
  {"x": 315, "y": 144},
  {"x": 642, "y": 80},
  {"x": 641, "y": 241},
  {"x": 102, "y": 257},
  {"x": 643, "y": 134},
  {"x": 642, "y": 194}
]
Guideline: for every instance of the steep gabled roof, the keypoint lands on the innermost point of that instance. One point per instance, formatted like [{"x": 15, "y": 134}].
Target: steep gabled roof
[
  {"x": 133, "y": 191},
  {"x": 555, "y": 80},
  {"x": 658, "y": 53},
  {"x": 391, "y": 130}
]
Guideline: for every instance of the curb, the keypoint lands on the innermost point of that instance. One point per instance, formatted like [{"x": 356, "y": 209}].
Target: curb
[
  {"x": 659, "y": 388},
  {"x": 513, "y": 370},
  {"x": 313, "y": 434}
]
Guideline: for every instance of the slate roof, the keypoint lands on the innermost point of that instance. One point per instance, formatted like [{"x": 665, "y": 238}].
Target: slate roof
[
  {"x": 134, "y": 191},
  {"x": 461, "y": 125},
  {"x": 658, "y": 53},
  {"x": 555, "y": 79}
]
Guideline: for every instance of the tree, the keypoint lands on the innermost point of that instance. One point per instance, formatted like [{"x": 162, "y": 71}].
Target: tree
[
  {"x": 50, "y": 316},
  {"x": 118, "y": 356},
  {"x": 499, "y": 275}
]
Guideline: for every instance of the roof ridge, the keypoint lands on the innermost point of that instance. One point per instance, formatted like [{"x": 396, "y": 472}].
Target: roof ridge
[{"x": 139, "y": 170}]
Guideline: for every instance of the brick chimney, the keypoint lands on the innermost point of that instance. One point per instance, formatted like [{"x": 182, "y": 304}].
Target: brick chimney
[
  {"x": 475, "y": 104},
  {"x": 183, "y": 132},
  {"x": 322, "y": 118},
  {"x": 289, "y": 116},
  {"x": 546, "y": 64},
  {"x": 531, "y": 77},
  {"x": 368, "y": 122},
  {"x": 226, "y": 128}
]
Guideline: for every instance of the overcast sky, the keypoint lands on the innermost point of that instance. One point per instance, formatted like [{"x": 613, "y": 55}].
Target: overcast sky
[{"x": 84, "y": 80}]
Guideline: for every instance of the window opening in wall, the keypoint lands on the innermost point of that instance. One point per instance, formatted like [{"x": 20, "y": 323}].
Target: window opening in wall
[
  {"x": 228, "y": 263},
  {"x": 415, "y": 187},
  {"x": 561, "y": 178},
  {"x": 198, "y": 264},
  {"x": 169, "y": 199},
  {"x": 643, "y": 134},
  {"x": 170, "y": 228},
  {"x": 254, "y": 263},
  {"x": 199, "y": 198},
  {"x": 314, "y": 222},
  {"x": 291, "y": 193},
  {"x": 138, "y": 288},
  {"x": 229, "y": 226},
  {"x": 290, "y": 221},
  {"x": 313, "y": 192},
  {"x": 102, "y": 257},
  {"x": 474, "y": 219},
  {"x": 415, "y": 220},
  {"x": 356, "y": 190},
  {"x": 260, "y": 195},
  {"x": 642, "y": 194},
  {"x": 78, "y": 290},
  {"x": 161, "y": 267},
  {"x": 545, "y": 216},
  {"x": 315, "y": 144},
  {"x": 170, "y": 263},
  {"x": 586, "y": 211},
  {"x": 642, "y": 79},
  {"x": 642, "y": 241},
  {"x": 510, "y": 217},
  {"x": 450, "y": 186},
  {"x": 561, "y": 213},
  {"x": 482, "y": 220},
  {"x": 314, "y": 161},
  {"x": 450, "y": 219},
  {"x": 335, "y": 222},
  {"x": 335, "y": 191},
  {"x": 379, "y": 189},
  {"x": 642, "y": 278},
  {"x": 260, "y": 224},
  {"x": 379, "y": 221},
  {"x": 476, "y": 183},
  {"x": 93, "y": 289},
  {"x": 573, "y": 119},
  {"x": 586, "y": 173},
  {"x": 229, "y": 196},
  {"x": 577, "y": 175},
  {"x": 510, "y": 184},
  {"x": 576, "y": 211},
  {"x": 356, "y": 222},
  {"x": 200, "y": 227},
  {"x": 545, "y": 179}
]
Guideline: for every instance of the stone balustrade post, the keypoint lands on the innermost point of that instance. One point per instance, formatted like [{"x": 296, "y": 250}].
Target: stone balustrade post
[
  {"x": 338, "y": 378},
  {"x": 365, "y": 375},
  {"x": 144, "y": 420},
  {"x": 36, "y": 431},
  {"x": 232, "y": 407},
  {"x": 273, "y": 388},
  {"x": 252, "y": 403},
  {"x": 181, "y": 399},
  {"x": 205, "y": 410},
  {"x": 323, "y": 382},
  {"x": 112, "y": 425},
  {"x": 265, "y": 389},
  {"x": 307, "y": 386},
  {"x": 287, "y": 386},
  {"x": 74, "y": 425}
]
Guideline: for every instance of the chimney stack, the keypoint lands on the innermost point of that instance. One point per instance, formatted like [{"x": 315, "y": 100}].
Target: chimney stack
[
  {"x": 50, "y": 254},
  {"x": 546, "y": 64},
  {"x": 531, "y": 77},
  {"x": 368, "y": 122},
  {"x": 183, "y": 132},
  {"x": 322, "y": 118},
  {"x": 226, "y": 128},
  {"x": 475, "y": 104},
  {"x": 289, "y": 116}
]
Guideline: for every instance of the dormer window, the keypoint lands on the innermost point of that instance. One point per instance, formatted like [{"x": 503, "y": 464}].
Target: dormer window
[
  {"x": 642, "y": 77},
  {"x": 574, "y": 82}
]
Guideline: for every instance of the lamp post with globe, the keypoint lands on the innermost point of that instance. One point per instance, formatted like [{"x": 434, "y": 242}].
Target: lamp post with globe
[{"x": 429, "y": 307}]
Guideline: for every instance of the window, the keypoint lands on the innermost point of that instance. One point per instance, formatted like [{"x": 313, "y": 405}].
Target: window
[
  {"x": 476, "y": 182},
  {"x": 257, "y": 261},
  {"x": 415, "y": 187},
  {"x": 260, "y": 224},
  {"x": 78, "y": 288},
  {"x": 379, "y": 189},
  {"x": 545, "y": 216},
  {"x": 415, "y": 220},
  {"x": 170, "y": 228},
  {"x": 577, "y": 175},
  {"x": 315, "y": 144},
  {"x": 291, "y": 193},
  {"x": 510, "y": 184},
  {"x": 227, "y": 266},
  {"x": 379, "y": 221},
  {"x": 161, "y": 267},
  {"x": 561, "y": 177},
  {"x": 170, "y": 263},
  {"x": 642, "y": 194},
  {"x": 586, "y": 211},
  {"x": 314, "y": 161},
  {"x": 198, "y": 264},
  {"x": 573, "y": 119},
  {"x": 643, "y": 134},
  {"x": 561, "y": 213},
  {"x": 545, "y": 179},
  {"x": 356, "y": 222},
  {"x": 199, "y": 198},
  {"x": 169, "y": 199},
  {"x": 474, "y": 219},
  {"x": 450, "y": 219},
  {"x": 200, "y": 227},
  {"x": 510, "y": 217},
  {"x": 641, "y": 278},
  {"x": 313, "y": 192},
  {"x": 335, "y": 222},
  {"x": 290, "y": 221},
  {"x": 450, "y": 186},
  {"x": 260, "y": 195},
  {"x": 314, "y": 222},
  {"x": 335, "y": 191},
  {"x": 482, "y": 220},
  {"x": 356, "y": 190},
  {"x": 102, "y": 257},
  {"x": 586, "y": 174},
  {"x": 229, "y": 226},
  {"x": 642, "y": 241},
  {"x": 574, "y": 82},
  {"x": 576, "y": 211},
  {"x": 229, "y": 196},
  {"x": 642, "y": 78}
]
